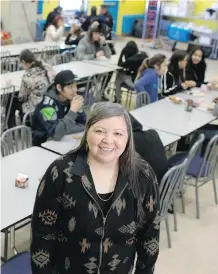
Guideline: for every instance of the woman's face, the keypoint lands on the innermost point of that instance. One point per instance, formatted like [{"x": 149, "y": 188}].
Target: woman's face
[
  {"x": 197, "y": 57},
  {"x": 107, "y": 139},
  {"x": 162, "y": 69},
  {"x": 182, "y": 64}
]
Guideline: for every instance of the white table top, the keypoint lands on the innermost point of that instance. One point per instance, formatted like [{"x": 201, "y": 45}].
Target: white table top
[
  {"x": 15, "y": 49},
  {"x": 166, "y": 138},
  {"x": 81, "y": 69},
  {"x": 105, "y": 63},
  {"x": 66, "y": 144},
  {"x": 172, "y": 118},
  {"x": 18, "y": 203},
  {"x": 204, "y": 98}
]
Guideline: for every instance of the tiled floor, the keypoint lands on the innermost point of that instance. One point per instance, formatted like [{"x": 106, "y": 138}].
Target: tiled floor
[{"x": 195, "y": 244}]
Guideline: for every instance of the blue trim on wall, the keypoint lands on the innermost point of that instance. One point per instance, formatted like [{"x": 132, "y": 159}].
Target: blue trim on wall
[
  {"x": 40, "y": 6},
  {"x": 113, "y": 11}
]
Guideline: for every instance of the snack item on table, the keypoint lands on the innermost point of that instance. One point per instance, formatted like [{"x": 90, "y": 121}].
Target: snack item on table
[
  {"x": 21, "y": 180},
  {"x": 77, "y": 137},
  {"x": 175, "y": 99},
  {"x": 189, "y": 105}
]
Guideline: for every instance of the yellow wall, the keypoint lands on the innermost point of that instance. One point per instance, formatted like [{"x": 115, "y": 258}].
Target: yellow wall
[
  {"x": 129, "y": 7},
  {"x": 48, "y": 6}
]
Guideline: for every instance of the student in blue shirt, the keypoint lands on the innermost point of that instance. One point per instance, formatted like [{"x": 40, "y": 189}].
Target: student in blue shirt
[{"x": 149, "y": 73}]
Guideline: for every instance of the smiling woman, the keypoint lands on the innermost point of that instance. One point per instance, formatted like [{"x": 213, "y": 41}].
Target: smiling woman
[{"x": 98, "y": 206}]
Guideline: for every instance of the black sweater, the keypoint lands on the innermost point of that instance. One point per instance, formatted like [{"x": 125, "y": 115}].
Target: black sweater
[
  {"x": 70, "y": 233},
  {"x": 149, "y": 146},
  {"x": 132, "y": 64},
  {"x": 196, "y": 73},
  {"x": 169, "y": 85}
]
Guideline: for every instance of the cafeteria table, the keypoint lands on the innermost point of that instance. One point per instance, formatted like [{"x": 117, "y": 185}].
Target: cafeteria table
[
  {"x": 81, "y": 69},
  {"x": 167, "y": 116},
  {"x": 66, "y": 144},
  {"x": 16, "y": 203}
]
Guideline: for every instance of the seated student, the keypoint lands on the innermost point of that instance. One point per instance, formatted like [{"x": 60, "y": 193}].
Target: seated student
[
  {"x": 130, "y": 60},
  {"x": 148, "y": 75},
  {"x": 36, "y": 79},
  {"x": 60, "y": 111},
  {"x": 174, "y": 79},
  {"x": 55, "y": 31},
  {"x": 149, "y": 146},
  {"x": 196, "y": 67},
  {"x": 74, "y": 36},
  {"x": 92, "y": 46}
]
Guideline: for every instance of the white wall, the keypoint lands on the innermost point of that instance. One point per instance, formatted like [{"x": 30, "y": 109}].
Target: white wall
[{"x": 14, "y": 18}]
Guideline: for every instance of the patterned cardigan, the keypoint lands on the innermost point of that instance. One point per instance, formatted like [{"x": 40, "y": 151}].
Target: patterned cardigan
[
  {"x": 70, "y": 234},
  {"x": 33, "y": 86}
]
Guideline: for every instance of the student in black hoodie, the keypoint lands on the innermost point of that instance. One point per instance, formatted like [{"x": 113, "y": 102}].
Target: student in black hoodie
[
  {"x": 148, "y": 144},
  {"x": 196, "y": 67},
  {"x": 174, "y": 80},
  {"x": 130, "y": 60}
]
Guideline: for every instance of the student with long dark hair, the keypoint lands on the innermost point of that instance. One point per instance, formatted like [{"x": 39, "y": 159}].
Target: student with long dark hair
[
  {"x": 92, "y": 46},
  {"x": 173, "y": 80},
  {"x": 55, "y": 30},
  {"x": 196, "y": 67},
  {"x": 36, "y": 79},
  {"x": 149, "y": 73},
  {"x": 130, "y": 60}
]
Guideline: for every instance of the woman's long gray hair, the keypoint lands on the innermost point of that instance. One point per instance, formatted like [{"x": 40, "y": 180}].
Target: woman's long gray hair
[{"x": 131, "y": 164}]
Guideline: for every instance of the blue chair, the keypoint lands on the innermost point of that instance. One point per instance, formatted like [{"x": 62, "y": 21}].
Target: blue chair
[
  {"x": 19, "y": 264},
  {"x": 193, "y": 155}
]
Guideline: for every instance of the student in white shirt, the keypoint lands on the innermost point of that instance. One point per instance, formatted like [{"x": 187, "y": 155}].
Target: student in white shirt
[{"x": 55, "y": 31}]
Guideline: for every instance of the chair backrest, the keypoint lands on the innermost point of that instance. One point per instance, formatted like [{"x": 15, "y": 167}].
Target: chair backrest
[
  {"x": 49, "y": 52},
  {"x": 28, "y": 119},
  {"x": 17, "y": 138},
  {"x": 10, "y": 64},
  {"x": 95, "y": 87},
  {"x": 142, "y": 99},
  {"x": 195, "y": 149},
  {"x": 63, "y": 58},
  {"x": 210, "y": 160},
  {"x": 4, "y": 149},
  {"x": 5, "y": 54},
  {"x": 7, "y": 96},
  {"x": 169, "y": 186}
]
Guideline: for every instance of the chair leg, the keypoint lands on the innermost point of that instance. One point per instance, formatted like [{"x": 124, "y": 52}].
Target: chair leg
[
  {"x": 13, "y": 240},
  {"x": 197, "y": 201},
  {"x": 6, "y": 245},
  {"x": 183, "y": 201},
  {"x": 215, "y": 190},
  {"x": 168, "y": 232},
  {"x": 174, "y": 216}
]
